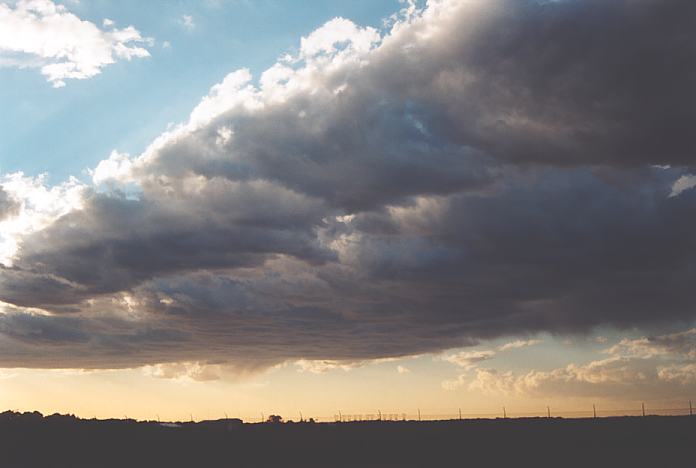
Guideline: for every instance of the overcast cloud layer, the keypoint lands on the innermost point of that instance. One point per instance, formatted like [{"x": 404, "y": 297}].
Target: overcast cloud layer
[{"x": 484, "y": 168}]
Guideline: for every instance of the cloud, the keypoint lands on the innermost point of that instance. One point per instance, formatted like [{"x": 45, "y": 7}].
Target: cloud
[
  {"x": 120, "y": 243},
  {"x": 469, "y": 359},
  {"x": 684, "y": 374},
  {"x": 685, "y": 182},
  {"x": 187, "y": 22},
  {"x": 42, "y": 34},
  {"x": 38, "y": 328},
  {"x": 382, "y": 194},
  {"x": 199, "y": 371},
  {"x": 334, "y": 35},
  {"x": 323, "y": 366},
  {"x": 657, "y": 367},
  {"x": 612, "y": 377},
  {"x": 116, "y": 169},
  {"x": 30, "y": 206},
  {"x": 192, "y": 370},
  {"x": 681, "y": 344},
  {"x": 403, "y": 370},
  {"x": 8, "y": 205},
  {"x": 518, "y": 344},
  {"x": 454, "y": 384}
]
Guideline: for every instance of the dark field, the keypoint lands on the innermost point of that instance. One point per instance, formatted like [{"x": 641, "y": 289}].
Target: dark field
[{"x": 30, "y": 440}]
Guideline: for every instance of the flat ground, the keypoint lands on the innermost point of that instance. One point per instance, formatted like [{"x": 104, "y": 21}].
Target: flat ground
[{"x": 31, "y": 440}]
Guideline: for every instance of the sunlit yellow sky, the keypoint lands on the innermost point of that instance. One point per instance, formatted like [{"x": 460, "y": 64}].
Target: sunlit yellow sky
[
  {"x": 219, "y": 208},
  {"x": 568, "y": 375}
]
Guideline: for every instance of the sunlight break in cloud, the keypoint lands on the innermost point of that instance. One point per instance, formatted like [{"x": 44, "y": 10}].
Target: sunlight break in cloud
[
  {"x": 42, "y": 34},
  {"x": 34, "y": 205}
]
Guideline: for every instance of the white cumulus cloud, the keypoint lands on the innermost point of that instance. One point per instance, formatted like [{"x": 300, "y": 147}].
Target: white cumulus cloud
[{"x": 44, "y": 35}]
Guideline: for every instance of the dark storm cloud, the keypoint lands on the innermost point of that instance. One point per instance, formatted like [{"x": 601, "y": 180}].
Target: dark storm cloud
[
  {"x": 487, "y": 170},
  {"x": 116, "y": 243},
  {"x": 42, "y": 329},
  {"x": 31, "y": 340},
  {"x": 564, "y": 253},
  {"x": 567, "y": 82}
]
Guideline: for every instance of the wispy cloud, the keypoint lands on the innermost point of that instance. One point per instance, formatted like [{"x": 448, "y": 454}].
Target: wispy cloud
[
  {"x": 468, "y": 359},
  {"x": 518, "y": 344},
  {"x": 187, "y": 22}
]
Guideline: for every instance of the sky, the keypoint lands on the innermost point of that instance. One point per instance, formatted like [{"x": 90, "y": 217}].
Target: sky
[{"x": 236, "y": 207}]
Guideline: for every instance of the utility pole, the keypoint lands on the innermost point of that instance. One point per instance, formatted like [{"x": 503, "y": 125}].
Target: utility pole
[
  {"x": 460, "y": 414},
  {"x": 380, "y": 415},
  {"x": 594, "y": 411},
  {"x": 301, "y": 418},
  {"x": 340, "y": 416},
  {"x": 643, "y": 406},
  {"x": 504, "y": 413},
  {"x": 691, "y": 409},
  {"x": 419, "y": 417}
]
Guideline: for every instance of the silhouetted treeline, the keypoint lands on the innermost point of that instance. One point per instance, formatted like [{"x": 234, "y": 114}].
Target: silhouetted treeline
[{"x": 32, "y": 440}]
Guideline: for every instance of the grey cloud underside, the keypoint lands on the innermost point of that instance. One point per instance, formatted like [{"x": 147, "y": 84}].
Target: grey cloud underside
[
  {"x": 115, "y": 243},
  {"x": 500, "y": 174},
  {"x": 8, "y": 205},
  {"x": 565, "y": 83},
  {"x": 566, "y": 254}
]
